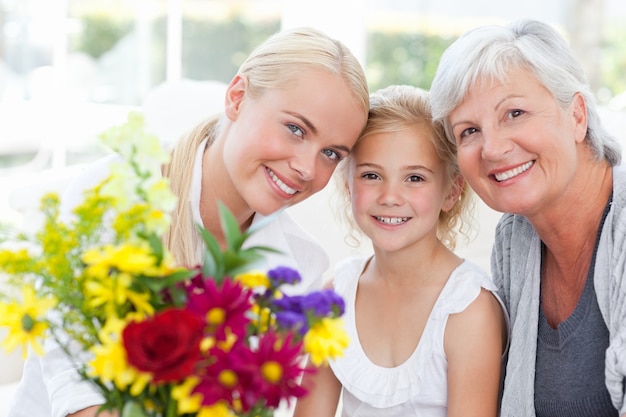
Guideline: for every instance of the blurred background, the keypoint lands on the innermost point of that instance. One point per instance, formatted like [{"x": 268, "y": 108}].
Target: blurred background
[{"x": 69, "y": 69}]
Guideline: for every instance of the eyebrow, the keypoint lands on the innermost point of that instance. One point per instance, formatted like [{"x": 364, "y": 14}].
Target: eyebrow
[
  {"x": 310, "y": 126},
  {"x": 498, "y": 104},
  {"x": 404, "y": 168},
  {"x": 510, "y": 96},
  {"x": 304, "y": 120}
]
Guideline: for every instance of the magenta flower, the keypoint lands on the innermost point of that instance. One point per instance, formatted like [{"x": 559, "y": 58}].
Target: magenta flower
[
  {"x": 223, "y": 308},
  {"x": 279, "y": 369}
]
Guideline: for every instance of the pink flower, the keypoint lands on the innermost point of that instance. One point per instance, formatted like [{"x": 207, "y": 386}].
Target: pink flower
[
  {"x": 223, "y": 308},
  {"x": 279, "y": 369}
]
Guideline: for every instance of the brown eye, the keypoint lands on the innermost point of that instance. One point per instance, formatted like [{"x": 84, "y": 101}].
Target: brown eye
[{"x": 467, "y": 132}]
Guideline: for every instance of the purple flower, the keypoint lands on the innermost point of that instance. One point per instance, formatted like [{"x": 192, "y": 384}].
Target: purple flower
[
  {"x": 319, "y": 304},
  {"x": 323, "y": 303},
  {"x": 284, "y": 275},
  {"x": 292, "y": 320}
]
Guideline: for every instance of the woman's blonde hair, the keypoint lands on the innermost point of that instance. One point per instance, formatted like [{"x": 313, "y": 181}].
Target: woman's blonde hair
[
  {"x": 397, "y": 108},
  {"x": 281, "y": 58}
]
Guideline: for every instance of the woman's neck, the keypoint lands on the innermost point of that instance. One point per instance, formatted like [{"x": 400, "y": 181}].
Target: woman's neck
[{"x": 218, "y": 187}]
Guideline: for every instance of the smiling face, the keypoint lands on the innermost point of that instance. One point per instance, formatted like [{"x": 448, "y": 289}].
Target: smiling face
[
  {"x": 398, "y": 186},
  {"x": 283, "y": 146},
  {"x": 516, "y": 146}
]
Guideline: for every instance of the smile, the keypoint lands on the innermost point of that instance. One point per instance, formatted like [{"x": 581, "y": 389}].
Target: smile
[
  {"x": 392, "y": 220},
  {"x": 503, "y": 176},
  {"x": 284, "y": 187}
]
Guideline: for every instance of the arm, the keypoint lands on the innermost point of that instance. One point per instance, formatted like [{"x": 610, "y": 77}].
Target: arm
[
  {"x": 323, "y": 393},
  {"x": 474, "y": 342}
]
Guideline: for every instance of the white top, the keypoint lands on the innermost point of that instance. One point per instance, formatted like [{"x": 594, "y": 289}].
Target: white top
[
  {"x": 50, "y": 386},
  {"x": 418, "y": 387}
]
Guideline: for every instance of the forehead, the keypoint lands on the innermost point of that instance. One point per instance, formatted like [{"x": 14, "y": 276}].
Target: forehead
[
  {"x": 326, "y": 100},
  {"x": 510, "y": 76},
  {"x": 490, "y": 91},
  {"x": 407, "y": 146}
]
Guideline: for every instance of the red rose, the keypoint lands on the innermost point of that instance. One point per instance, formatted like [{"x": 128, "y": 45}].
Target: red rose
[{"x": 167, "y": 345}]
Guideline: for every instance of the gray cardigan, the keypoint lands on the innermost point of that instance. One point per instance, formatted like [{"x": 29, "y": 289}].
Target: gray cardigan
[{"x": 517, "y": 277}]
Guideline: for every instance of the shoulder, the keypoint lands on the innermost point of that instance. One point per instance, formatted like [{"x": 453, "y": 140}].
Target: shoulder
[
  {"x": 464, "y": 286},
  {"x": 512, "y": 227},
  {"x": 484, "y": 317},
  {"x": 346, "y": 272},
  {"x": 475, "y": 304}
]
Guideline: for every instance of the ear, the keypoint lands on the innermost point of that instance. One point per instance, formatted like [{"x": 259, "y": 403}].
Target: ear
[
  {"x": 456, "y": 188},
  {"x": 579, "y": 113},
  {"x": 235, "y": 93}
]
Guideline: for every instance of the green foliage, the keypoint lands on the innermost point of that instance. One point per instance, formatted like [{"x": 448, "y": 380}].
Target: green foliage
[
  {"x": 614, "y": 58},
  {"x": 234, "y": 259},
  {"x": 100, "y": 32},
  {"x": 214, "y": 49},
  {"x": 403, "y": 58}
]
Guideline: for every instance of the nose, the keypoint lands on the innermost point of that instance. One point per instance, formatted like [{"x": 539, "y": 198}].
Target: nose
[
  {"x": 305, "y": 164},
  {"x": 495, "y": 144},
  {"x": 391, "y": 194}
]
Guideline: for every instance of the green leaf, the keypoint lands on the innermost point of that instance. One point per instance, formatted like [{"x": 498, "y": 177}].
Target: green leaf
[
  {"x": 234, "y": 259},
  {"x": 264, "y": 249},
  {"x": 213, "y": 262},
  {"x": 156, "y": 245},
  {"x": 230, "y": 227},
  {"x": 156, "y": 285},
  {"x": 132, "y": 409}
]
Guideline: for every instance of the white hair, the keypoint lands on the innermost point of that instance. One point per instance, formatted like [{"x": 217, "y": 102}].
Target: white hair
[{"x": 487, "y": 53}]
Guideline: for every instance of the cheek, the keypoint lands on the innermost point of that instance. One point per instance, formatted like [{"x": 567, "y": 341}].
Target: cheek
[
  {"x": 235, "y": 161},
  {"x": 360, "y": 199},
  {"x": 323, "y": 174},
  {"x": 468, "y": 160}
]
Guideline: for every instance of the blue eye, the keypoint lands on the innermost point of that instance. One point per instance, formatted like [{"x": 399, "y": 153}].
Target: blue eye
[
  {"x": 295, "y": 129},
  {"x": 332, "y": 155}
]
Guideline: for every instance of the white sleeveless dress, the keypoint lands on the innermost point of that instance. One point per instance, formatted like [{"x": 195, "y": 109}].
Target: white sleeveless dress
[{"x": 418, "y": 387}]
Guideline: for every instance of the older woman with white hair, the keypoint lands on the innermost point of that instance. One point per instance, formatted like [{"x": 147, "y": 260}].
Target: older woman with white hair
[{"x": 530, "y": 142}]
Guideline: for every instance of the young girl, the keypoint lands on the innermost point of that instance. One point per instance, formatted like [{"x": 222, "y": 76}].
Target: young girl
[
  {"x": 427, "y": 333},
  {"x": 292, "y": 112}
]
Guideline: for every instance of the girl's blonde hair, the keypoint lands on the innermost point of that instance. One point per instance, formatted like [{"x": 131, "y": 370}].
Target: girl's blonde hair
[
  {"x": 394, "y": 109},
  {"x": 272, "y": 65}
]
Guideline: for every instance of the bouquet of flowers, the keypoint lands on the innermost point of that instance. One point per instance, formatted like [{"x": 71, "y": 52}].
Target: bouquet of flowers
[{"x": 156, "y": 338}]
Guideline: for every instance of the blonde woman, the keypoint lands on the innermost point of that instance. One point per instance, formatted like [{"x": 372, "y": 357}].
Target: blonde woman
[{"x": 291, "y": 113}]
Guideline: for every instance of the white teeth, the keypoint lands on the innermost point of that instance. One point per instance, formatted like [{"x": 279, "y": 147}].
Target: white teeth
[
  {"x": 392, "y": 220},
  {"x": 281, "y": 184},
  {"x": 501, "y": 176}
]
